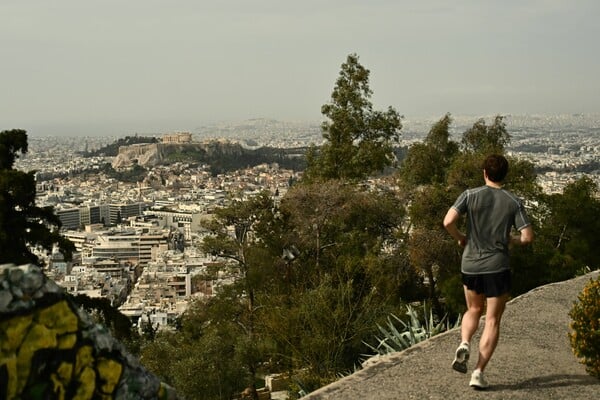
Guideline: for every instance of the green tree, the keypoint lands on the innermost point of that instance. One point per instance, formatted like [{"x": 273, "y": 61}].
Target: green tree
[
  {"x": 435, "y": 172},
  {"x": 466, "y": 171},
  {"x": 104, "y": 313},
  {"x": 430, "y": 248},
  {"x": 236, "y": 236},
  {"x": 477, "y": 142},
  {"x": 522, "y": 180},
  {"x": 484, "y": 139},
  {"x": 566, "y": 238},
  {"x": 358, "y": 140},
  {"x": 566, "y": 230},
  {"x": 23, "y": 225},
  {"x": 428, "y": 162},
  {"x": 223, "y": 336},
  {"x": 206, "y": 356},
  {"x": 343, "y": 277}
]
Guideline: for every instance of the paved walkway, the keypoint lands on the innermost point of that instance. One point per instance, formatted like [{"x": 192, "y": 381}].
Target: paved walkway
[{"x": 532, "y": 361}]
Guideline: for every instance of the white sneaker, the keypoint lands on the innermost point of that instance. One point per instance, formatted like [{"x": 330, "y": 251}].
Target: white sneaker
[
  {"x": 478, "y": 381},
  {"x": 462, "y": 357}
]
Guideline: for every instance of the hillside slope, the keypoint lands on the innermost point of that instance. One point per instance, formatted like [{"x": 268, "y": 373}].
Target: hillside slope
[{"x": 532, "y": 361}]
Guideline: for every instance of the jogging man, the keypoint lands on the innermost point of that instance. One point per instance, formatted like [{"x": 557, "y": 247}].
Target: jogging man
[{"x": 491, "y": 214}]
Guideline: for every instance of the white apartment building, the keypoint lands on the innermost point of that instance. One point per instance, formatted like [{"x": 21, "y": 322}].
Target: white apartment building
[
  {"x": 186, "y": 222},
  {"x": 130, "y": 246}
]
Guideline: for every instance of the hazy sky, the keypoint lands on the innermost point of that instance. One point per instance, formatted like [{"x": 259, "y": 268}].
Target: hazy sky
[{"x": 118, "y": 67}]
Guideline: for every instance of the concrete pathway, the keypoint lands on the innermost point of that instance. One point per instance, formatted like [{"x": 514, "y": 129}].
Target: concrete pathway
[{"x": 533, "y": 359}]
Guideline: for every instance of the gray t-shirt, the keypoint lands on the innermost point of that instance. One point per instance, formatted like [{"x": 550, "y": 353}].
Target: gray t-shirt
[{"x": 491, "y": 213}]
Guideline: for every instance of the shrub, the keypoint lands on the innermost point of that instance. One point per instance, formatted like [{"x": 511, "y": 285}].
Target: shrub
[
  {"x": 585, "y": 327},
  {"x": 415, "y": 330}
]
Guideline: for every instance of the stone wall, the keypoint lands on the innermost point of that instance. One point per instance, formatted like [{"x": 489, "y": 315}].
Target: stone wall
[{"x": 51, "y": 349}]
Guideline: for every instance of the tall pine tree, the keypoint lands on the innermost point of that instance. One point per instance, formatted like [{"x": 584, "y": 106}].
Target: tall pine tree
[
  {"x": 358, "y": 140},
  {"x": 23, "y": 225}
]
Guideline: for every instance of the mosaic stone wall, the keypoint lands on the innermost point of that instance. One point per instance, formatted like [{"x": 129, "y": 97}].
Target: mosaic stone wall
[{"x": 51, "y": 349}]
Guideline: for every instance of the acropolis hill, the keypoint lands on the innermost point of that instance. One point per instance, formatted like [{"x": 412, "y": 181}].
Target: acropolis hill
[{"x": 152, "y": 154}]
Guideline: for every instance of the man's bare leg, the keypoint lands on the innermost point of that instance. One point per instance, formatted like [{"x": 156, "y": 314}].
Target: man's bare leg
[
  {"x": 469, "y": 325},
  {"x": 470, "y": 320},
  {"x": 491, "y": 330}
]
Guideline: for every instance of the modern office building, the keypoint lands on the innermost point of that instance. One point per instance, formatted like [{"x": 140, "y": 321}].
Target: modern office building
[
  {"x": 185, "y": 222},
  {"x": 81, "y": 240},
  {"x": 94, "y": 214},
  {"x": 137, "y": 248},
  {"x": 69, "y": 217},
  {"x": 152, "y": 245},
  {"x": 121, "y": 211}
]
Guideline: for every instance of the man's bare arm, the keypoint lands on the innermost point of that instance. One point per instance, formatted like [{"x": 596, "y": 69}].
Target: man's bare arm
[
  {"x": 450, "y": 221},
  {"x": 525, "y": 237}
]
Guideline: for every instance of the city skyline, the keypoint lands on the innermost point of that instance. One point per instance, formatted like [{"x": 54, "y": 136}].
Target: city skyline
[{"x": 113, "y": 68}]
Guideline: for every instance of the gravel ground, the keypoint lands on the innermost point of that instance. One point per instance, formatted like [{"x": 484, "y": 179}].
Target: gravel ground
[{"x": 533, "y": 359}]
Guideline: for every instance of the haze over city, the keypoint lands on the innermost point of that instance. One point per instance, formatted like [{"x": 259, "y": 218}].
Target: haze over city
[{"x": 113, "y": 68}]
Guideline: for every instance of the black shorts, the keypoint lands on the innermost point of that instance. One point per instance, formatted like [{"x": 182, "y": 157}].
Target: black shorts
[{"x": 491, "y": 285}]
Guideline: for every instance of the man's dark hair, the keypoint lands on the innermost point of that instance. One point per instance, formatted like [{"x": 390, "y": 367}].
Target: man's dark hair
[{"x": 496, "y": 167}]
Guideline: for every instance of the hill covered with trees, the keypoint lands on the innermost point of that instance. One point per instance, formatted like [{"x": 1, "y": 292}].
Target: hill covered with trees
[{"x": 316, "y": 273}]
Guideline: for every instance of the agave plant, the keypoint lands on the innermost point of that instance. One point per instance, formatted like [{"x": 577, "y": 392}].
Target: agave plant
[{"x": 411, "y": 332}]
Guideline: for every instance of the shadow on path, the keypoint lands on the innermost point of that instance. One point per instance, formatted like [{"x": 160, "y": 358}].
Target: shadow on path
[{"x": 549, "y": 381}]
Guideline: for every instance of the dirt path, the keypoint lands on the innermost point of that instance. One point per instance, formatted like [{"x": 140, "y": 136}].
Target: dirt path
[{"x": 532, "y": 361}]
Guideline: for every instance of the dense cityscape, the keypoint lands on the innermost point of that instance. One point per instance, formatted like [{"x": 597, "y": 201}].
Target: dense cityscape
[
  {"x": 137, "y": 243},
  {"x": 283, "y": 200}
]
